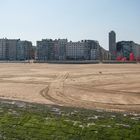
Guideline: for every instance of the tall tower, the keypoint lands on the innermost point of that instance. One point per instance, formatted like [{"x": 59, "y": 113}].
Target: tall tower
[{"x": 112, "y": 44}]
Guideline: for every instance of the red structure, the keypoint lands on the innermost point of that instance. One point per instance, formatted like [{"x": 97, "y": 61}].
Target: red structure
[
  {"x": 124, "y": 59},
  {"x": 138, "y": 59},
  {"x": 119, "y": 58},
  {"x": 131, "y": 57}
]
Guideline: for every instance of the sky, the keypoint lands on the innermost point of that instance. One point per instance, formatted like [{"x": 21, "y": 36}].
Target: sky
[{"x": 72, "y": 19}]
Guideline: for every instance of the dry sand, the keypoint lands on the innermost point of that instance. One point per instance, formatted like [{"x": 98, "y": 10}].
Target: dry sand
[{"x": 93, "y": 86}]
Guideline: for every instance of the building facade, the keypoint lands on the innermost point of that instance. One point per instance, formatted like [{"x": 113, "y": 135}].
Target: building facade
[
  {"x": 93, "y": 49},
  {"x": 104, "y": 54},
  {"x": 112, "y": 44},
  {"x": 61, "y": 49},
  {"x": 76, "y": 51},
  {"x": 3, "y": 49},
  {"x": 45, "y": 49},
  {"x": 126, "y": 48},
  {"x": 83, "y": 50},
  {"x": 8, "y": 49},
  {"x": 136, "y": 51},
  {"x": 24, "y": 50},
  {"x": 15, "y": 49},
  {"x": 49, "y": 49}
]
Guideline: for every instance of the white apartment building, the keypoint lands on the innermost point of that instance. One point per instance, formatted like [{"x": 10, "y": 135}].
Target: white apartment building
[{"x": 76, "y": 50}]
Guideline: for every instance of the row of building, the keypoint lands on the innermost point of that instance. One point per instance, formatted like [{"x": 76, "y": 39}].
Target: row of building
[
  {"x": 123, "y": 50},
  {"x": 48, "y": 49},
  {"x": 61, "y": 49}
]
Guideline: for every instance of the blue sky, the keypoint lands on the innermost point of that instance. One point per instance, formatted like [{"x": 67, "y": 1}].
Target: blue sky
[{"x": 72, "y": 19}]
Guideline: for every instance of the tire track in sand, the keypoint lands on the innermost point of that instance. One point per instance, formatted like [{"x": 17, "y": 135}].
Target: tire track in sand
[{"x": 55, "y": 90}]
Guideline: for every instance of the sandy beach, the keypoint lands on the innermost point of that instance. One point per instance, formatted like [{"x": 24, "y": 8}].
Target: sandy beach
[{"x": 113, "y": 87}]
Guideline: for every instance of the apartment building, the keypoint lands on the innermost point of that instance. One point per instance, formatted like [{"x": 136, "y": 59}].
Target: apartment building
[
  {"x": 112, "y": 44},
  {"x": 76, "y": 51},
  {"x": 48, "y": 49},
  {"x": 125, "y": 48},
  {"x": 24, "y": 50},
  {"x": 136, "y": 51},
  {"x": 12, "y": 49},
  {"x": 15, "y": 49},
  {"x": 60, "y": 49},
  {"x": 3, "y": 49},
  {"x": 93, "y": 52},
  {"x": 104, "y": 54},
  {"x": 45, "y": 49},
  {"x": 8, "y": 49}
]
